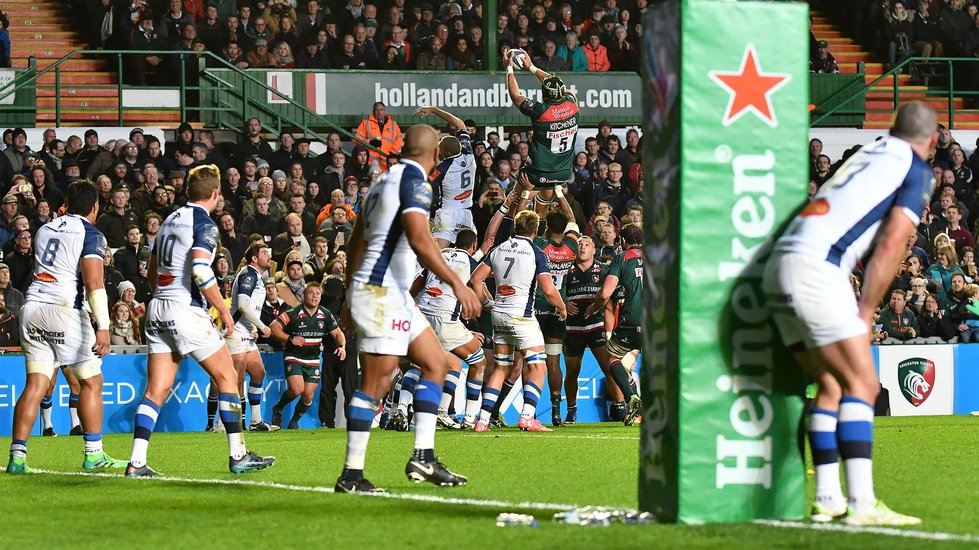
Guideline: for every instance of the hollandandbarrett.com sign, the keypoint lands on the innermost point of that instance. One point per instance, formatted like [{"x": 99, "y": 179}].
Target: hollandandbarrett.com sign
[{"x": 611, "y": 95}]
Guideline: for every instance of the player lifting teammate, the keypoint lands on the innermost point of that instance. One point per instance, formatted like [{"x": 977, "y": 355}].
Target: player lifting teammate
[
  {"x": 388, "y": 239},
  {"x": 442, "y": 310},
  {"x": 177, "y": 323},
  {"x": 519, "y": 266},
  {"x": 68, "y": 257}
]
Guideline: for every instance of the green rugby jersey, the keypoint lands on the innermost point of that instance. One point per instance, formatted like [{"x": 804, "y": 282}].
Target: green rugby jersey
[
  {"x": 313, "y": 328},
  {"x": 555, "y": 131},
  {"x": 560, "y": 260},
  {"x": 627, "y": 266}
]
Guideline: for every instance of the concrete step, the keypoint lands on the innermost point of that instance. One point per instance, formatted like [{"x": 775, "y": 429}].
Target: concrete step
[
  {"x": 69, "y": 102},
  {"x": 79, "y": 77},
  {"x": 108, "y": 117},
  {"x": 78, "y": 92}
]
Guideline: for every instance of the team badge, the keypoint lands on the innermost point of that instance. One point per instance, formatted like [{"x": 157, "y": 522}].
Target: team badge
[{"x": 917, "y": 378}]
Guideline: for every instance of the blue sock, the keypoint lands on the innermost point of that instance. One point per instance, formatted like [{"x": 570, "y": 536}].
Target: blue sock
[
  {"x": 146, "y": 415},
  {"x": 73, "y": 400},
  {"x": 825, "y": 455},
  {"x": 531, "y": 394},
  {"x": 490, "y": 397},
  {"x": 855, "y": 438},
  {"x": 408, "y": 383},
  {"x": 473, "y": 387},
  {"x": 46, "y": 402},
  {"x": 360, "y": 416},
  {"x": 427, "y": 395},
  {"x": 254, "y": 394},
  {"x": 229, "y": 407}
]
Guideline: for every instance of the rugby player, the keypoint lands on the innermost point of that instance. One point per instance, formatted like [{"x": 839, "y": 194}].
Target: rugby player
[
  {"x": 178, "y": 325},
  {"x": 388, "y": 239},
  {"x": 57, "y": 331},
  {"x": 519, "y": 266}
]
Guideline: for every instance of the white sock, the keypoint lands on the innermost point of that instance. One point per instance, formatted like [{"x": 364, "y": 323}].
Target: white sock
[
  {"x": 46, "y": 417},
  {"x": 444, "y": 403},
  {"x": 73, "y": 413},
  {"x": 236, "y": 445},
  {"x": 138, "y": 456},
  {"x": 528, "y": 411}
]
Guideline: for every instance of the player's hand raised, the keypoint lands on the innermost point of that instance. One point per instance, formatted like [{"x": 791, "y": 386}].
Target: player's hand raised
[
  {"x": 101, "y": 346},
  {"x": 423, "y": 111},
  {"x": 471, "y": 306},
  {"x": 525, "y": 181}
]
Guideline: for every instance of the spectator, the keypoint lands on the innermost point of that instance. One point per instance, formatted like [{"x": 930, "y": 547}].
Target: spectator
[
  {"x": 825, "y": 62},
  {"x": 13, "y": 298},
  {"x": 125, "y": 326},
  {"x": 347, "y": 57},
  {"x": 311, "y": 20},
  {"x": 459, "y": 56},
  {"x": 941, "y": 271},
  {"x": 114, "y": 221},
  {"x": 337, "y": 200},
  {"x": 916, "y": 298},
  {"x": 927, "y": 32},
  {"x": 259, "y": 30},
  {"x": 271, "y": 309},
  {"x": 337, "y": 229},
  {"x": 21, "y": 260},
  {"x": 291, "y": 239},
  {"x": 968, "y": 265},
  {"x": 821, "y": 172},
  {"x": 277, "y": 208},
  {"x": 899, "y": 323},
  {"x": 211, "y": 30},
  {"x": 391, "y": 60},
  {"x": 432, "y": 58},
  {"x": 315, "y": 200},
  {"x": 549, "y": 60},
  {"x": 622, "y": 55},
  {"x": 958, "y": 233},
  {"x": 253, "y": 144},
  {"x": 231, "y": 240},
  {"x": 282, "y": 56},
  {"x": 173, "y": 22},
  {"x": 9, "y": 329},
  {"x": 260, "y": 221},
  {"x": 151, "y": 226},
  {"x": 333, "y": 176},
  {"x": 13, "y": 160},
  {"x": 131, "y": 260},
  {"x": 573, "y": 54},
  {"x": 311, "y": 56},
  {"x": 127, "y": 295},
  {"x": 5, "y": 54},
  {"x": 319, "y": 258},
  {"x": 290, "y": 289},
  {"x": 277, "y": 11},
  {"x": 364, "y": 45},
  {"x": 308, "y": 163},
  {"x": 899, "y": 32},
  {"x": 259, "y": 56},
  {"x": 381, "y": 131},
  {"x": 297, "y": 205},
  {"x": 234, "y": 56},
  {"x": 934, "y": 324}
]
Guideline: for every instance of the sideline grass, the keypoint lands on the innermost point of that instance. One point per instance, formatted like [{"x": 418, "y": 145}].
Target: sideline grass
[{"x": 924, "y": 467}]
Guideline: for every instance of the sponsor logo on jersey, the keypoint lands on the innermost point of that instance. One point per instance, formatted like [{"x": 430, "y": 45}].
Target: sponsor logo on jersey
[
  {"x": 818, "y": 207},
  {"x": 506, "y": 290},
  {"x": 401, "y": 325},
  {"x": 434, "y": 291},
  {"x": 45, "y": 277},
  {"x": 164, "y": 279},
  {"x": 463, "y": 195}
]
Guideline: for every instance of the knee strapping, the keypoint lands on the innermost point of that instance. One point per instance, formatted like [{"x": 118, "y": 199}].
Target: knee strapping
[
  {"x": 476, "y": 357},
  {"x": 535, "y": 357},
  {"x": 553, "y": 349}
]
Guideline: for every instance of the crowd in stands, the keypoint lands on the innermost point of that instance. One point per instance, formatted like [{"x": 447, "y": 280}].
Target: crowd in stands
[
  {"x": 361, "y": 34},
  {"x": 935, "y": 295},
  {"x": 302, "y": 206}
]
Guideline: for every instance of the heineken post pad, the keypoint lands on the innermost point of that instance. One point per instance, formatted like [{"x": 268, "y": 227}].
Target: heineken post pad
[{"x": 726, "y": 163}]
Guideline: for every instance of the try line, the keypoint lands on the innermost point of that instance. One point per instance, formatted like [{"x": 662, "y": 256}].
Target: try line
[{"x": 487, "y": 503}]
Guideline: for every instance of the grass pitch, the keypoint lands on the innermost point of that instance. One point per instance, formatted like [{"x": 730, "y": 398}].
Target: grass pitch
[{"x": 924, "y": 466}]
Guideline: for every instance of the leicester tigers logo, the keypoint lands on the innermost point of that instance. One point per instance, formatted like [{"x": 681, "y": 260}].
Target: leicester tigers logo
[{"x": 917, "y": 378}]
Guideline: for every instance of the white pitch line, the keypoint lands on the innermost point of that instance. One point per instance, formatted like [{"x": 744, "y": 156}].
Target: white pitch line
[
  {"x": 487, "y": 503},
  {"x": 555, "y": 436},
  {"x": 887, "y": 531}
]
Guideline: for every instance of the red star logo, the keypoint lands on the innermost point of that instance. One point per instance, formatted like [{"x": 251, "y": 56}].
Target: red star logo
[{"x": 750, "y": 89}]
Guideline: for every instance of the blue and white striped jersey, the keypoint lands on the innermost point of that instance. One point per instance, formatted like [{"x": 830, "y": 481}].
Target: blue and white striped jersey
[
  {"x": 187, "y": 229},
  {"x": 389, "y": 260},
  {"x": 455, "y": 176},
  {"x": 840, "y": 223},
  {"x": 59, "y": 247},
  {"x": 437, "y": 297},
  {"x": 516, "y": 263},
  {"x": 249, "y": 283}
]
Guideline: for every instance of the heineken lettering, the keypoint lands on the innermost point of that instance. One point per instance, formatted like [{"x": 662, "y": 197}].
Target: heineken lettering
[{"x": 724, "y": 446}]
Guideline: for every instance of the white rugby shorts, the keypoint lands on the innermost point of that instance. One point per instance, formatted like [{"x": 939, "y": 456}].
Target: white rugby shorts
[
  {"x": 450, "y": 221},
  {"x": 452, "y": 334},
  {"x": 520, "y": 332},
  {"x": 56, "y": 336},
  {"x": 172, "y": 327},
  {"x": 387, "y": 319},
  {"x": 811, "y": 300},
  {"x": 241, "y": 341}
]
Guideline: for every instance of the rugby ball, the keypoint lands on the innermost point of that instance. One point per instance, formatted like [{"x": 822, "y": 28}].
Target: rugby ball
[{"x": 515, "y": 58}]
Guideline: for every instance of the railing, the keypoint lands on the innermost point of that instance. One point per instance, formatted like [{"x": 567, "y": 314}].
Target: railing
[
  {"x": 937, "y": 74},
  {"x": 273, "y": 119}
]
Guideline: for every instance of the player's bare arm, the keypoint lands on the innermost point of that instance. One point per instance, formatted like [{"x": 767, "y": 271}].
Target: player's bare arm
[
  {"x": 611, "y": 281},
  {"x": 891, "y": 249},
  {"x": 552, "y": 295},
  {"x": 212, "y": 294},
  {"x": 341, "y": 341},
  {"x": 453, "y": 121}
]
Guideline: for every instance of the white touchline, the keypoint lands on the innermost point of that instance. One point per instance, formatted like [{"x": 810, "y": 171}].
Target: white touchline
[
  {"x": 538, "y": 437},
  {"x": 317, "y": 489},
  {"x": 887, "y": 531}
]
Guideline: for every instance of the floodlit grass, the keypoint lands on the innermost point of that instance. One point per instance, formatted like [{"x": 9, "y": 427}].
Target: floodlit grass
[{"x": 925, "y": 466}]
